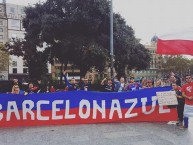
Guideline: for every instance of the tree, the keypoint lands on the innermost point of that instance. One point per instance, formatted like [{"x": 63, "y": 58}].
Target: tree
[
  {"x": 128, "y": 51},
  {"x": 35, "y": 60},
  {"x": 4, "y": 59},
  {"x": 77, "y": 31},
  {"x": 177, "y": 64},
  {"x": 93, "y": 56}
]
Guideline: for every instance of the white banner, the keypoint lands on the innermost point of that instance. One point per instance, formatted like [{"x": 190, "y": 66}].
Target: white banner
[{"x": 167, "y": 98}]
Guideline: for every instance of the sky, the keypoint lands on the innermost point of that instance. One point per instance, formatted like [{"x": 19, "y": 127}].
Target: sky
[{"x": 148, "y": 17}]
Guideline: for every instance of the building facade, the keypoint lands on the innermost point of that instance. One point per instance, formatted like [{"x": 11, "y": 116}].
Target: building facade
[
  {"x": 11, "y": 27},
  {"x": 3, "y": 24},
  {"x": 155, "y": 65},
  {"x": 72, "y": 71},
  {"x": 15, "y": 14},
  {"x": 11, "y": 16},
  {"x": 3, "y": 36}
]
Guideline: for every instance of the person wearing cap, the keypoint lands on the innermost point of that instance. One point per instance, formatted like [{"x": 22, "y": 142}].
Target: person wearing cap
[{"x": 133, "y": 86}]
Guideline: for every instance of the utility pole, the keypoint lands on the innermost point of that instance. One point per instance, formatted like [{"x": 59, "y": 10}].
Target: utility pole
[{"x": 111, "y": 39}]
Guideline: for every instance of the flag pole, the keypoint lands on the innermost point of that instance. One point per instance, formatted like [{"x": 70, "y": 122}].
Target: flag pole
[{"x": 111, "y": 39}]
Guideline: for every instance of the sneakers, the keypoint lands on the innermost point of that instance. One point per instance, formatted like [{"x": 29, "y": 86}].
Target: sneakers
[
  {"x": 179, "y": 123},
  {"x": 172, "y": 122},
  {"x": 183, "y": 128}
]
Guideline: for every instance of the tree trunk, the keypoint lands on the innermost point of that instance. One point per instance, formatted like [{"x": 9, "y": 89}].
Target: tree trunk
[
  {"x": 62, "y": 67},
  {"x": 61, "y": 72}
]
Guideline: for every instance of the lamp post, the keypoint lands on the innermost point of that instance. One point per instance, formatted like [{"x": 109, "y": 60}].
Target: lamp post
[{"x": 111, "y": 38}]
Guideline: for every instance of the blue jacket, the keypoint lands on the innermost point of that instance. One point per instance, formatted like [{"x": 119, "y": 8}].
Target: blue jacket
[
  {"x": 118, "y": 85},
  {"x": 71, "y": 87}
]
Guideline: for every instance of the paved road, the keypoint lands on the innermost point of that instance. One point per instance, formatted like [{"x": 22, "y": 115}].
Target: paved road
[{"x": 99, "y": 134}]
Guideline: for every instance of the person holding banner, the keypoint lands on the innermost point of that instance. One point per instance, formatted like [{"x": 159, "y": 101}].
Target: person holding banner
[
  {"x": 181, "y": 101},
  {"x": 187, "y": 93}
]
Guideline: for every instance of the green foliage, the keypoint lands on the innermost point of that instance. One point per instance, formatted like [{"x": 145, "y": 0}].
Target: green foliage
[
  {"x": 4, "y": 59},
  {"x": 77, "y": 31},
  {"x": 35, "y": 60},
  {"x": 177, "y": 64},
  {"x": 128, "y": 50}
]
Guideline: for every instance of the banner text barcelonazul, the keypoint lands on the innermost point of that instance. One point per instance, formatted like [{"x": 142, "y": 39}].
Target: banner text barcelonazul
[{"x": 83, "y": 107}]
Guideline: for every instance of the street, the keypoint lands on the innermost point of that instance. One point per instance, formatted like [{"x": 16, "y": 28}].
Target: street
[{"x": 99, "y": 134}]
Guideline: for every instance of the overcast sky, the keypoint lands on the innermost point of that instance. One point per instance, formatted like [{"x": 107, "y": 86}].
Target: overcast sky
[{"x": 149, "y": 17}]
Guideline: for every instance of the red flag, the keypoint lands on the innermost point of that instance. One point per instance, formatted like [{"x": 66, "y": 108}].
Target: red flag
[{"x": 176, "y": 43}]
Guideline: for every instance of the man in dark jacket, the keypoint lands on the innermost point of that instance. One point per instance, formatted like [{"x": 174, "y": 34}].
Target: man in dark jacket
[
  {"x": 107, "y": 85},
  {"x": 181, "y": 101}
]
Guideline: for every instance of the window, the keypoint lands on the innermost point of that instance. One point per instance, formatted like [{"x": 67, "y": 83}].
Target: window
[
  {"x": 14, "y": 70},
  {"x": 2, "y": 77},
  {"x": 13, "y": 35},
  {"x": 22, "y": 10},
  {"x": 14, "y": 24},
  {"x": 12, "y": 10},
  {"x": 14, "y": 64},
  {"x": 1, "y": 29},
  {"x": 22, "y": 28},
  {"x": 24, "y": 63},
  {"x": 1, "y": 22},
  {"x": 1, "y": 9},
  {"x": 25, "y": 70},
  {"x": 1, "y": 36}
]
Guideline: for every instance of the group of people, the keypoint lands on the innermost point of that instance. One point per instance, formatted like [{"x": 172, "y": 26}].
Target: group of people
[
  {"x": 187, "y": 93},
  {"x": 110, "y": 85},
  {"x": 115, "y": 85},
  {"x": 184, "y": 93},
  {"x": 29, "y": 88},
  {"x": 37, "y": 87},
  {"x": 107, "y": 85}
]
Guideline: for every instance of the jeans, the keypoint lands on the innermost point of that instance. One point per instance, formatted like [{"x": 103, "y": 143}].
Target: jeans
[
  {"x": 186, "y": 122},
  {"x": 180, "y": 109}
]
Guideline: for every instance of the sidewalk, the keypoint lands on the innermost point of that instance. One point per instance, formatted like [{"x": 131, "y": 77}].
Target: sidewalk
[{"x": 99, "y": 134}]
